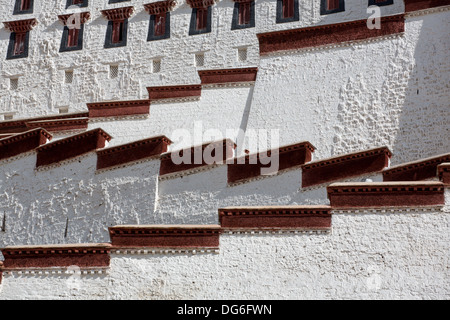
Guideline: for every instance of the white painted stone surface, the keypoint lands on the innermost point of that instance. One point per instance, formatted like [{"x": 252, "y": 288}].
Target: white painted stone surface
[{"x": 367, "y": 256}]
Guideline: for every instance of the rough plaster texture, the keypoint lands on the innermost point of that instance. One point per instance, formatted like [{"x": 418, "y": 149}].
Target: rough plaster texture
[{"x": 366, "y": 256}]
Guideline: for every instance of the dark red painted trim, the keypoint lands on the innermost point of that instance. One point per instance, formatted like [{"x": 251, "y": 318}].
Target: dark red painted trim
[
  {"x": 168, "y": 166},
  {"x": 21, "y": 25},
  {"x": 414, "y": 5},
  {"x": 60, "y": 124},
  {"x": 444, "y": 173},
  {"x": 290, "y": 217},
  {"x": 289, "y": 156},
  {"x": 118, "y": 13},
  {"x": 160, "y": 6},
  {"x": 173, "y": 92},
  {"x": 386, "y": 194},
  {"x": 15, "y": 126},
  {"x": 228, "y": 75},
  {"x": 72, "y": 146},
  {"x": 417, "y": 170},
  {"x": 133, "y": 151},
  {"x": 168, "y": 236},
  {"x": 118, "y": 108},
  {"x": 345, "y": 166},
  {"x": 327, "y": 34},
  {"x": 56, "y": 256},
  {"x": 23, "y": 142}
]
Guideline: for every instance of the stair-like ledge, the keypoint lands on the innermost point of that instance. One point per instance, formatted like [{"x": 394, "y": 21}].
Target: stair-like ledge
[
  {"x": 345, "y": 166},
  {"x": 386, "y": 194},
  {"x": 174, "y": 93},
  {"x": 227, "y": 76},
  {"x": 276, "y": 218},
  {"x": 23, "y": 142},
  {"x": 165, "y": 236},
  {"x": 49, "y": 256},
  {"x": 60, "y": 125},
  {"x": 118, "y": 108},
  {"x": 444, "y": 172},
  {"x": 71, "y": 147}
]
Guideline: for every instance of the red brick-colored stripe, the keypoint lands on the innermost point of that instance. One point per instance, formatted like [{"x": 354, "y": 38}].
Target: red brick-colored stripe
[
  {"x": 276, "y": 218},
  {"x": 60, "y": 124},
  {"x": 133, "y": 151},
  {"x": 414, "y": 5},
  {"x": 228, "y": 75},
  {"x": 345, "y": 166},
  {"x": 71, "y": 147},
  {"x": 168, "y": 166},
  {"x": 23, "y": 142},
  {"x": 165, "y": 236},
  {"x": 118, "y": 108},
  {"x": 288, "y": 157},
  {"x": 416, "y": 170},
  {"x": 386, "y": 194},
  {"x": 82, "y": 256},
  {"x": 327, "y": 34},
  {"x": 173, "y": 92}
]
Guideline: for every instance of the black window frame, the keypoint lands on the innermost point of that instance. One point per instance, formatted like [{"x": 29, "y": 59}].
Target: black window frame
[
  {"x": 280, "y": 18},
  {"x": 17, "y": 8},
  {"x": 80, "y": 5},
  {"x": 151, "y": 28},
  {"x": 193, "y": 25},
  {"x": 235, "y": 22},
  {"x": 109, "y": 34},
  {"x": 117, "y": 1},
  {"x": 380, "y": 4},
  {"x": 325, "y": 11},
  {"x": 12, "y": 41},
  {"x": 64, "y": 48}
]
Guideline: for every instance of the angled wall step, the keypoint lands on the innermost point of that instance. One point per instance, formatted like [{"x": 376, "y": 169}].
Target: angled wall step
[
  {"x": 444, "y": 172},
  {"x": 72, "y": 146},
  {"x": 345, "y": 166},
  {"x": 174, "y": 92},
  {"x": 118, "y": 108},
  {"x": 416, "y": 170},
  {"x": 130, "y": 152},
  {"x": 49, "y": 256},
  {"x": 251, "y": 166},
  {"x": 316, "y": 36},
  {"x": 208, "y": 154},
  {"x": 20, "y": 125},
  {"x": 276, "y": 218},
  {"x": 227, "y": 76},
  {"x": 165, "y": 236},
  {"x": 23, "y": 142},
  {"x": 58, "y": 125},
  {"x": 386, "y": 194}
]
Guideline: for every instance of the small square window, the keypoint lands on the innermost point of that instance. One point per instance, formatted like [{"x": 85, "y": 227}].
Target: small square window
[
  {"x": 242, "y": 54},
  {"x": 23, "y": 7},
  {"x": 156, "y": 65},
  {"x": 8, "y": 116},
  {"x": 14, "y": 83},
  {"x": 68, "y": 76},
  {"x": 63, "y": 110},
  {"x": 199, "y": 59},
  {"x": 113, "y": 71}
]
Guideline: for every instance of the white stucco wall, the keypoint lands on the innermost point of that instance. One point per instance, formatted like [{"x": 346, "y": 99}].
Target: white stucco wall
[{"x": 393, "y": 255}]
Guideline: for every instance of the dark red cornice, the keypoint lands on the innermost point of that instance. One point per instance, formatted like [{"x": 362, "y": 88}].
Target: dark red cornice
[
  {"x": 444, "y": 172},
  {"x": 160, "y": 6},
  {"x": 83, "y": 16},
  {"x": 133, "y": 151},
  {"x": 415, "y": 170},
  {"x": 415, "y": 5},
  {"x": 83, "y": 256},
  {"x": 165, "y": 236},
  {"x": 250, "y": 166},
  {"x": 228, "y": 75},
  {"x": 15, "y": 126},
  {"x": 174, "y": 92},
  {"x": 21, "y": 25},
  {"x": 118, "y": 108},
  {"x": 59, "y": 125},
  {"x": 345, "y": 166},
  {"x": 168, "y": 166},
  {"x": 327, "y": 34},
  {"x": 23, "y": 142},
  {"x": 200, "y": 3},
  {"x": 71, "y": 147},
  {"x": 118, "y": 14},
  {"x": 386, "y": 194},
  {"x": 276, "y": 218}
]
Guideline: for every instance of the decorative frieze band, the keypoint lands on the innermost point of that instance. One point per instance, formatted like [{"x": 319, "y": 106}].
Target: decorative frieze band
[
  {"x": 222, "y": 76},
  {"x": 118, "y": 108},
  {"x": 200, "y": 3},
  {"x": 59, "y": 125},
  {"x": 21, "y": 25},
  {"x": 82, "y": 16},
  {"x": 174, "y": 92},
  {"x": 160, "y": 6},
  {"x": 118, "y": 14}
]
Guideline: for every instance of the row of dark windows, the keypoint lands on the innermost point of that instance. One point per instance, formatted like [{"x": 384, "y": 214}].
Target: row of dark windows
[{"x": 159, "y": 27}]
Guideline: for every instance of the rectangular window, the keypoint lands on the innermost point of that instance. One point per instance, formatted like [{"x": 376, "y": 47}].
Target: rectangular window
[
  {"x": 331, "y": 6},
  {"x": 78, "y": 3},
  {"x": 156, "y": 66},
  {"x": 72, "y": 37},
  {"x": 68, "y": 78},
  {"x": 159, "y": 27},
  {"x": 19, "y": 44},
  {"x": 160, "y": 24},
  {"x": 117, "y": 32},
  {"x": 14, "y": 83},
  {"x": 202, "y": 18},
  {"x": 23, "y": 6},
  {"x": 244, "y": 13},
  {"x": 287, "y": 11},
  {"x": 199, "y": 59},
  {"x": 113, "y": 71}
]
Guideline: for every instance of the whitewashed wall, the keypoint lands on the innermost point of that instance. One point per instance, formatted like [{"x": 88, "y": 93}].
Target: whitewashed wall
[{"x": 366, "y": 256}]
